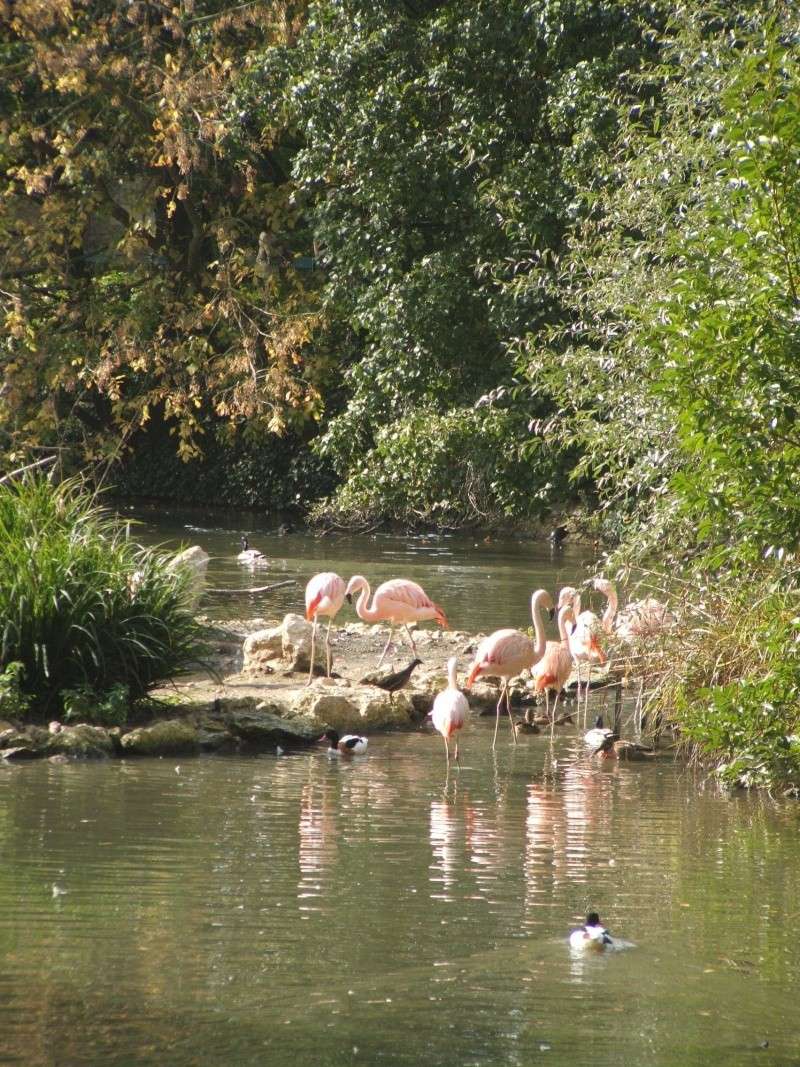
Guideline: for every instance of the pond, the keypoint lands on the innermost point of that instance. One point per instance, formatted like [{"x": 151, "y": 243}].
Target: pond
[
  {"x": 308, "y": 909},
  {"x": 482, "y": 584}
]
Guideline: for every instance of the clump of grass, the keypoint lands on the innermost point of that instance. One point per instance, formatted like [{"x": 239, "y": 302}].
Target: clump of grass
[
  {"x": 727, "y": 675},
  {"x": 82, "y": 608}
]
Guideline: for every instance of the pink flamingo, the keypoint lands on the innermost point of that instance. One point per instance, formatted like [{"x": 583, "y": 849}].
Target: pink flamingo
[
  {"x": 505, "y": 653},
  {"x": 324, "y": 596},
  {"x": 398, "y": 601},
  {"x": 584, "y": 645},
  {"x": 450, "y": 709},
  {"x": 553, "y": 669}
]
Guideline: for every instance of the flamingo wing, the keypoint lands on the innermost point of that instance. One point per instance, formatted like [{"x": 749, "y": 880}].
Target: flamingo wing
[{"x": 324, "y": 594}]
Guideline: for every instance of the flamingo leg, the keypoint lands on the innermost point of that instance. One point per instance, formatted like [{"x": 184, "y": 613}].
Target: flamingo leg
[
  {"x": 458, "y": 761},
  {"x": 410, "y": 638},
  {"x": 497, "y": 714},
  {"x": 328, "y": 646},
  {"x": 555, "y": 707},
  {"x": 388, "y": 643},
  {"x": 313, "y": 643},
  {"x": 446, "y": 749},
  {"x": 510, "y": 717}
]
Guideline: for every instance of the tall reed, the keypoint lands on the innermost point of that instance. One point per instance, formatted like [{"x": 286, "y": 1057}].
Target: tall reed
[{"x": 81, "y": 605}]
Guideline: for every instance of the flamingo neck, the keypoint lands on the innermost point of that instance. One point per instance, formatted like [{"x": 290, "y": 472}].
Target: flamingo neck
[
  {"x": 563, "y": 615},
  {"x": 364, "y": 612},
  {"x": 452, "y": 678},
  {"x": 611, "y": 610},
  {"x": 538, "y": 625}
]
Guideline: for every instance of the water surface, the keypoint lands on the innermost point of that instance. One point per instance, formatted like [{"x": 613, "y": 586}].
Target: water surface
[
  {"x": 482, "y": 584},
  {"x": 305, "y": 909}
]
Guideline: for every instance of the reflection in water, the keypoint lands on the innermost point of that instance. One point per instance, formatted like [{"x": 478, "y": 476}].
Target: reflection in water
[{"x": 287, "y": 910}]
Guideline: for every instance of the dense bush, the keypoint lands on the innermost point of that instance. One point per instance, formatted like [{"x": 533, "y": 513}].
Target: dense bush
[
  {"x": 81, "y": 606},
  {"x": 729, "y": 674}
]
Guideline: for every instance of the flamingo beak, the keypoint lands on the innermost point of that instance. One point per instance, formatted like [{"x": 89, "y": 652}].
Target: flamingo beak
[
  {"x": 348, "y": 597},
  {"x": 551, "y": 613}
]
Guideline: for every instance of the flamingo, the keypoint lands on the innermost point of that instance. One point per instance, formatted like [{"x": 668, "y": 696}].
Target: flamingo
[
  {"x": 507, "y": 652},
  {"x": 399, "y": 601},
  {"x": 643, "y": 618},
  {"x": 584, "y": 646},
  {"x": 450, "y": 709},
  {"x": 324, "y": 596},
  {"x": 553, "y": 669}
]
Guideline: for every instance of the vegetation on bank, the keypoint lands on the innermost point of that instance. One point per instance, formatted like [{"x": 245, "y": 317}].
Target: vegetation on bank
[
  {"x": 441, "y": 262},
  {"x": 91, "y": 622}
]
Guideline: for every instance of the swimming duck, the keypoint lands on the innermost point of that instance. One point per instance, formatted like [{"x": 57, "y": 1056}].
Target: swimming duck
[
  {"x": 600, "y": 738},
  {"x": 348, "y": 745},
  {"x": 592, "y": 936},
  {"x": 250, "y": 555}
]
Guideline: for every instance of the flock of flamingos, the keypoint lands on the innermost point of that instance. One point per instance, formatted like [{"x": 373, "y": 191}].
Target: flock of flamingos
[{"x": 503, "y": 654}]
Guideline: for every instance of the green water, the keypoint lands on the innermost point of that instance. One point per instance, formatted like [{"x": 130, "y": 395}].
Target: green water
[
  {"x": 305, "y": 909},
  {"x": 482, "y": 585}
]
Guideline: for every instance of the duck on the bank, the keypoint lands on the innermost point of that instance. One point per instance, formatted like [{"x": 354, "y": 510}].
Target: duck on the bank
[
  {"x": 592, "y": 936},
  {"x": 348, "y": 745},
  {"x": 600, "y": 738},
  {"x": 251, "y": 555},
  {"x": 394, "y": 682}
]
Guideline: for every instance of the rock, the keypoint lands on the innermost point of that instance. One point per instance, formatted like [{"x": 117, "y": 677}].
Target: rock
[
  {"x": 81, "y": 741},
  {"x": 21, "y": 752},
  {"x": 353, "y": 709},
  {"x": 482, "y": 696},
  {"x": 194, "y": 561},
  {"x": 265, "y": 725},
  {"x": 296, "y": 644},
  {"x": 168, "y": 737},
  {"x": 260, "y": 647},
  {"x": 213, "y": 735}
]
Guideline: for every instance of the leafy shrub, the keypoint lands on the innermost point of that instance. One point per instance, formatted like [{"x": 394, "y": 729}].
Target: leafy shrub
[
  {"x": 81, "y": 605},
  {"x": 13, "y": 702},
  {"x": 83, "y": 704},
  {"x": 729, "y": 675},
  {"x": 453, "y": 469}
]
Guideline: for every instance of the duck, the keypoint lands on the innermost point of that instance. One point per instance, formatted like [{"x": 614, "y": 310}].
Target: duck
[
  {"x": 347, "y": 745},
  {"x": 627, "y": 750},
  {"x": 250, "y": 555},
  {"x": 592, "y": 936},
  {"x": 600, "y": 738}
]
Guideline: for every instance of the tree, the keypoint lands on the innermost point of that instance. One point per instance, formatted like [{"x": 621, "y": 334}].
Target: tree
[{"x": 147, "y": 232}]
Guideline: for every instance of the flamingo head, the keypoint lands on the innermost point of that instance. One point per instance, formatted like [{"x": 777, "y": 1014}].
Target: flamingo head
[
  {"x": 355, "y": 585},
  {"x": 441, "y": 618},
  {"x": 245, "y": 544},
  {"x": 567, "y": 596}
]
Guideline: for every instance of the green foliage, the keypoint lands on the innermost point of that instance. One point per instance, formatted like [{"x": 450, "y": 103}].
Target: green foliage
[
  {"x": 13, "y": 700},
  {"x": 84, "y": 704},
  {"x": 444, "y": 146},
  {"x": 730, "y": 677},
  {"x": 82, "y": 606},
  {"x": 452, "y": 470}
]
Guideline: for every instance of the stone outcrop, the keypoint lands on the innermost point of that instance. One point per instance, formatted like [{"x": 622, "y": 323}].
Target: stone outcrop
[
  {"x": 193, "y": 561},
  {"x": 296, "y": 643},
  {"x": 81, "y": 741},
  {"x": 260, "y": 648},
  {"x": 168, "y": 737}
]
